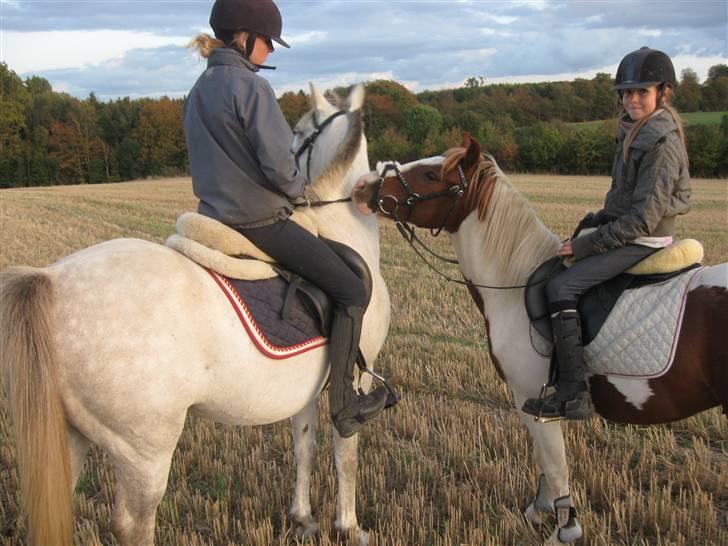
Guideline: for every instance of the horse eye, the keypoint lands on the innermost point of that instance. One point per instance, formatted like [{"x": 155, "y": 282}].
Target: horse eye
[{"x": 431, "y": 176}]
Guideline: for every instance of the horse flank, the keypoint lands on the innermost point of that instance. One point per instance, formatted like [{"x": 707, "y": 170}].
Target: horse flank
[
  {"x": 29, "y": 372},
  {"x": 511, "y": 230}
]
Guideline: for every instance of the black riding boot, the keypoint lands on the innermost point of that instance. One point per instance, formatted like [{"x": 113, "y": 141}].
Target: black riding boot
[
  {"x": 571, "y": 400},
  {"x": 349, "y": 410}
]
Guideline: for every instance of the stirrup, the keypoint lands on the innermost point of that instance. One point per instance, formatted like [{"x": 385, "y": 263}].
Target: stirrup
[
  {"x": 579, "y": 407},
  {"x": 393, "y": 397}
]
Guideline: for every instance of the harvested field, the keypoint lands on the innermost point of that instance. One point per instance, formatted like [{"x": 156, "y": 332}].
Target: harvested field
[{"x": 451, "y": 465}]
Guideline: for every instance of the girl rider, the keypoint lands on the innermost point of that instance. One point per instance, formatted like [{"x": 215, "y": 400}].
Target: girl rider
[
  {"x": 245, "y": 176},
  {"x": 650, "y": 187}
]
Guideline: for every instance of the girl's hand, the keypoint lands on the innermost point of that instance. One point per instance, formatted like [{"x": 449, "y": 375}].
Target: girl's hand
[{"x": 565, "y": 249}]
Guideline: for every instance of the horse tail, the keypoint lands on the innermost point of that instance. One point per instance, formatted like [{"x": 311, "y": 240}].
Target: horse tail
[{"x": 28, "y": 366}]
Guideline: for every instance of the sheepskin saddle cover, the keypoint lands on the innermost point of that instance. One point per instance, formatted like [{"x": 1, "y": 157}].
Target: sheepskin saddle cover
[
  {"x": 216, "y": 246},
  {"x": 283, "y": 314}
]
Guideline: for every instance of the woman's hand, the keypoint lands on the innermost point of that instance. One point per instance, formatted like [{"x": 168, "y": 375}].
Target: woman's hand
[{"x": 565, "y": 249}]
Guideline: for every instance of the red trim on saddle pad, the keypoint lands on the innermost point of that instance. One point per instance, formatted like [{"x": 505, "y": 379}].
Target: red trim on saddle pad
[{"x": 251, "y": 326}]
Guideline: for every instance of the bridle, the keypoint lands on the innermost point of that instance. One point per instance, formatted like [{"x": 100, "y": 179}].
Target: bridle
[
  {"x": 408, "y": 232},
  {"x": 311, "y": 139},
  {"x": 413, "y": 198}
]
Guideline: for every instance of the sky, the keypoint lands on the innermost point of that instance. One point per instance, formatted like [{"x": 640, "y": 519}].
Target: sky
[{"x": 137, "y": 48}]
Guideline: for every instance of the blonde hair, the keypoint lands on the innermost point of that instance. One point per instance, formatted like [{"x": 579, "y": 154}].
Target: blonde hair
[
  {"x": 206, "y": 44},
  {"x": 664, "y": 105}
]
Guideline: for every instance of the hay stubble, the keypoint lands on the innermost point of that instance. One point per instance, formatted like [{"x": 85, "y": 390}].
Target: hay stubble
[{"x": 451, "y": 465}]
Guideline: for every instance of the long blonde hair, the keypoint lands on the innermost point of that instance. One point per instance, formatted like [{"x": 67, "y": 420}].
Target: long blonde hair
[
  {"x": 206, "y": 44},
  {"x": 664, "y": 105}
]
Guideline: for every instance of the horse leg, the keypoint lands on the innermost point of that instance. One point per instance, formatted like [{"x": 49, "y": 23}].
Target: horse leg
[
  {"x": 346, "y": 459},
  {"x": 78, "y": 446},
  {"x": 141, "y": 473},
  {"x": 553, "y": 494},
  {"x": 304, "y": 446}
]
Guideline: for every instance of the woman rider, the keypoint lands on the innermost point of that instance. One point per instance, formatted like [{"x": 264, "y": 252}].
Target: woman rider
[
  {"x": 650, "y": 187},
  {"x": 245, "y": 176}
]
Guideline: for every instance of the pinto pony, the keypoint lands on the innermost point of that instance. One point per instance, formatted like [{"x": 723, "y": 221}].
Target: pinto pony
[
  {"x": 116, "y": 343},
  {"x": 499, "y": 242}
]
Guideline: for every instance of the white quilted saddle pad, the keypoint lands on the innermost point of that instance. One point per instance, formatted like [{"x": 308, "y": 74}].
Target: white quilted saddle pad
[{"x": 640, "y": 335}]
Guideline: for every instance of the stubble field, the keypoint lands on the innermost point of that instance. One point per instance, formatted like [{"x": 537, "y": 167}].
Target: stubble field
[{"x": 450, "y": 465}]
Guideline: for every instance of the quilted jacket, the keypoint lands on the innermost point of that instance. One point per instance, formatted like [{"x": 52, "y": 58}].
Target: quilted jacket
[
  {"x": 648, "y": 190},
  {"x": 239, "y": 144}
]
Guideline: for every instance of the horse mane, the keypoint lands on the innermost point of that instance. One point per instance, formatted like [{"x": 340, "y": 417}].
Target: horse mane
[
  {"x": 511, "y": 229},
  {"x": 328, "y": 184}
]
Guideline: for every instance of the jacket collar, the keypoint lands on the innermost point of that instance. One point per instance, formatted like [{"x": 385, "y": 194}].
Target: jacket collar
[
  {"x": 659, "y": 125},
  {"x": 225, "y": 56}
]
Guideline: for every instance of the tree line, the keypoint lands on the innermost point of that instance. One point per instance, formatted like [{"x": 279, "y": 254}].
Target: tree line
[{"x": 48, "y": 138}]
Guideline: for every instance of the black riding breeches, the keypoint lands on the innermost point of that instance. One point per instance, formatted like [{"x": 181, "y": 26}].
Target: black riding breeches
[
  {"x": 565, "y": 289},
  {"x": 306, "y": 255}
]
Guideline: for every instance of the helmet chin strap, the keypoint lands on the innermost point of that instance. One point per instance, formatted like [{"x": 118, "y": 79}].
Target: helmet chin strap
[{"x": 249, "y": 45}]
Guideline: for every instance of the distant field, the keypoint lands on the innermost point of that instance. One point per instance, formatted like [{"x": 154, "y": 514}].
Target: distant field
[
  {"x": 690, "y": 118},
  {"x": 452, "y": 465}
]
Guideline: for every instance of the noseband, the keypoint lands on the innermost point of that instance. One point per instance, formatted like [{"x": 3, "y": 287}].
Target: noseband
[{"x": 310, "y": 139}]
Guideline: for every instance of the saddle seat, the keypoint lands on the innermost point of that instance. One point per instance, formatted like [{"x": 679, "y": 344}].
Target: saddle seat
[
  {"x": 596, "y": 304},
  {"x": 219, "y": 248}
]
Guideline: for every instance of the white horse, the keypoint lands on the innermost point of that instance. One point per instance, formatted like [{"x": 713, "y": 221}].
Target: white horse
[
  {"x": 116, "y": 343},
  {"x": 499, "y": 241}
]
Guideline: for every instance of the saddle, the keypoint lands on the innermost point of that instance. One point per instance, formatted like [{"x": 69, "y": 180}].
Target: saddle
[
  {"x": 597, "y": 303},
  {"x": 286, "y": 307}
]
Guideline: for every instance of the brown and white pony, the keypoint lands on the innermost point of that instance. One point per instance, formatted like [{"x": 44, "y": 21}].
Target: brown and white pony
[{"x": 499, "y": 241}]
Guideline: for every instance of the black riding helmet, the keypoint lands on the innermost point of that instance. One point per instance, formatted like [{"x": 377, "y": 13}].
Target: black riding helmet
[
  {"x": 644, "y": 68},
  {"x": 257, "y": 16}
]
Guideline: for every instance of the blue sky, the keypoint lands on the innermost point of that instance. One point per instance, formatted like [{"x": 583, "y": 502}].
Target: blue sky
[{"x": 136, "y": 48}]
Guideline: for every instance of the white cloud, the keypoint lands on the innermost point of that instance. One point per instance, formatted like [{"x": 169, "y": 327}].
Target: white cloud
[
  {"x": 37, "y": 51},
  {"x": 652, "y": 33},
  {"x": 306, "y": 37}
]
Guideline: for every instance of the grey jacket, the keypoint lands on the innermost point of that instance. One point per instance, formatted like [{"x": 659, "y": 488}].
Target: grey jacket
[
  {"x": 648, "y": 190},
  {"x": 239, "y": 143}
]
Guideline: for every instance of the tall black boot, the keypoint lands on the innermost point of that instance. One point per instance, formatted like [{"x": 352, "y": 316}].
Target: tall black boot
[
  {"x": 571, "y": 400},
  {"x": 349, "y": 410}
]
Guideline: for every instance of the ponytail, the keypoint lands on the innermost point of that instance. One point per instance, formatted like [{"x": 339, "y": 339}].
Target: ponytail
[{"x": 206, "y": 44}]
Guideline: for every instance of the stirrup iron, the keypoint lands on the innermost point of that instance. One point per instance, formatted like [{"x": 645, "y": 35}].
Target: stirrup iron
[{"x": 393, "y": 397}]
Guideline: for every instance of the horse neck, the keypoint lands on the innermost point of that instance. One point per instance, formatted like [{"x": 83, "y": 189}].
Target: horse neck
[
  {"x": 504, "y": 247},
  {"x": 341, "y": 221},
  {"x": 339, "y": 157}
]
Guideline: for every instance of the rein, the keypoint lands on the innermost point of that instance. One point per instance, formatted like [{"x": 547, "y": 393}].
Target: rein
[
  {"x": 310, "y": 139},
  {"x": 408, "y": 232}
]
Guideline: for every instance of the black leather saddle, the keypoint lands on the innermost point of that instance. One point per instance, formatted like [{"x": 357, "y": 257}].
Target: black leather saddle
[
  {"x": 288, "y": 309},
  {"x": 594, "y": 306},
  {"x": 316, "y": 300}
]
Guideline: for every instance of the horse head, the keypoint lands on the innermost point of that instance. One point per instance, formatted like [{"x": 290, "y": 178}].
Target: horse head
[
  {"x": 437, "y": 192},
  {"x": 329, "y": 141}
]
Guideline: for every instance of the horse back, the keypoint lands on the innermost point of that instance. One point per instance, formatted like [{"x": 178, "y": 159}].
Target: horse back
[{"x": 698, "y": 377}]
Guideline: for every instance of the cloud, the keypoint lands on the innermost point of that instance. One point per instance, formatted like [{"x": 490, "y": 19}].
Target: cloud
[{"x": 132, "y": 48}]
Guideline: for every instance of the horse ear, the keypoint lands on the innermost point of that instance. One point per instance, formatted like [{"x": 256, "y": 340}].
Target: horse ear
[
  {"x": 356, "y": 98},
  {"x": 472, "y": 152},
  {"x": 318, "y": 101}
]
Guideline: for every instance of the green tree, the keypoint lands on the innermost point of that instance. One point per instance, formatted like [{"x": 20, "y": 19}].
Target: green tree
[
  {"x": 704, "y": 144},
  {"x": 538, "y": 147},
  {"x": 689, "y": 94},
  {"x": 420, "y": 120}
]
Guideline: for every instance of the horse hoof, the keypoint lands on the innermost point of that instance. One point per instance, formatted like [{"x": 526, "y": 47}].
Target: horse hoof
[
  {"x": 533, "y": 515},
  {"x": 565, "y": 535},
  {"x": 356, "y": 536},
  {"x": 305, "y": 527}
]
